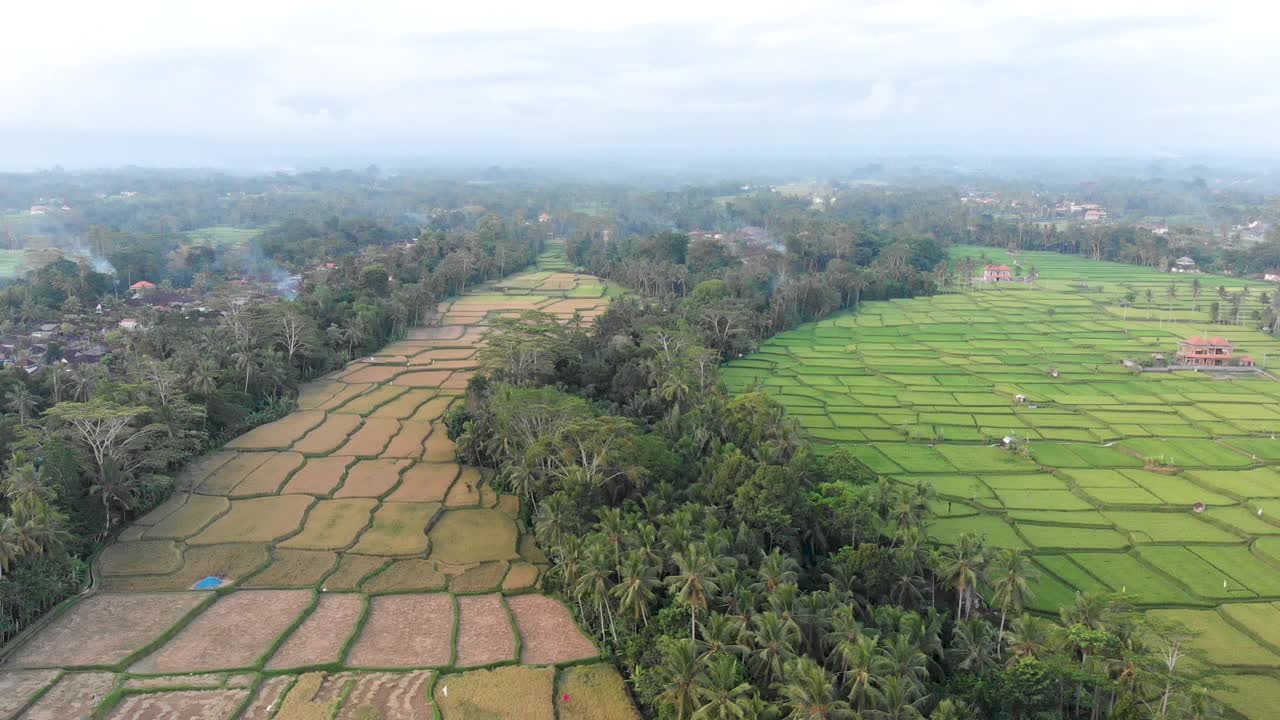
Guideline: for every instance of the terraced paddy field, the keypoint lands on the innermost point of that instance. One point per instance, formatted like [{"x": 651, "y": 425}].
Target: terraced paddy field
[
  {"x": 1107, "y": 463},
  {"x": 337, "y": 563}
]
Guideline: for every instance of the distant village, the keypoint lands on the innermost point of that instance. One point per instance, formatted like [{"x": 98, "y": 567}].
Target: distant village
[{"x": 81, "y": 338}]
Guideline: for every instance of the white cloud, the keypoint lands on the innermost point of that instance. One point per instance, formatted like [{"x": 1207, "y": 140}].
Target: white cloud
[{"x": 1083, "y": 74}]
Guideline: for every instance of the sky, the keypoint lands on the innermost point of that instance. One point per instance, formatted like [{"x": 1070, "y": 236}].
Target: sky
[{"x": 272, "y": 83}]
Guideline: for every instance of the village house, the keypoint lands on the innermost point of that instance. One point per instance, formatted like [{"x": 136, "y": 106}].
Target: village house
[
  {"x": 997, "y": 273},
  {"x": 142, "y": 286},
  {"x": 1272, "y": 276},
  {"x": 128, "y": 324},
  {"x": 1206, "y": 352},
  {"x": 1184, "y": 264}
]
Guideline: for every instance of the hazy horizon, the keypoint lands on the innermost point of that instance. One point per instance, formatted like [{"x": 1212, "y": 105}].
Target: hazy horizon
[{"x": 260, "y": 86}]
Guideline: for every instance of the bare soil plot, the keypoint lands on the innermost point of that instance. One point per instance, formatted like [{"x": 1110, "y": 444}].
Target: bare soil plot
[
  {"x": 398, "y": 529},
  {"x": 267, "y": 699},
  {"x": 457, "y": 381},
  {"x": 372, "y": 478},
  {"x": 439, "y": 448},
  {"x": 409, "y": 631},
  {"x": 280, "y": 434},
  {"x": 372, "y": 373},
  {"x": 144, "y": 557},
  {"x": 267, "y": 478},
  {"x": 319, "y": 476},
  {"x": 437, "y": 332},
  {"x": 78, "y": 637},
  {"x": 485, "y": 635},
  {"x": 506, "y": 693},
  {"x": 329, "y": 435},
  {"x": 521, "y": 576},
  {"x": 366, "y": 403},
  {"x": 230, "y": 473},
  {"x": 17, "y": 687},
  {"x": 190, "y": 517},
  {"x": 425, "y": 482},
  {"x": 473, "y": 535},
  {"x": 401, "y": 575},
  {"x": 405, "y": 405},
  {"x": 351, "y": 570},
  {"x": 344, "y": 395},
  {"x": 224, "y": 638},
  {"x": 445, "y": 354},
  {"x": 423, "y": 378},
  {"x": 485, "y": 577},
  {"x": 320, "y": 638},
  {"x": 74, "y": 696},
  {"x": 408, "y": 443},
  {"x": 294, "y": 569},
  {"x": 548, "y": 633},
  {"x": 371, "y": 438},
  {"x": 388, "y": 696},
  {"x": 185, "y": 704},
  {"x": 593, "y": 692},
  {"x": 332, "y": 524},
  {"x": 233, "y": 561},
  {"x": 466, "y": 491},
  {"x": 434, "y": 408},
  {"x": 256, "y": 520}
]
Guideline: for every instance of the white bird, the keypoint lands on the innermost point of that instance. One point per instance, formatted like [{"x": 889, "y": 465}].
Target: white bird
[{"x": 444, "y": 691}]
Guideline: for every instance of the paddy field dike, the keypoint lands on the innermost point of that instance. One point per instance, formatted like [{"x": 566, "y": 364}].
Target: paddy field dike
[
  {"x": 337, "y": 563},
  {"x": 1014, "y": 403}
]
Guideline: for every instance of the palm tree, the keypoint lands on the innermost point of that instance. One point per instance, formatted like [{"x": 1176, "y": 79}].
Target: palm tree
[
  {"x": 721, "y": 691},
  {"x": 13, "y": 544},
  {"x": 964, "y": 570},
  {"x": 899, "y": 700},
  {"x": 950, "y": 709},
  {"x": 636, "y": 588},
  {"x": 809, "y": 694},
  {"x": 861, "y": 667},
  {"x": 613, "y": 524},
  {"x": 694, "y": 582},
  {"x": 116, "y": 488},
  {"x": 681, "y": 673},
  {"x": 22, "y": 401},
  {"x": 775, "y": 569},
  {"x": 1196, "y": 289},
  {"x": 903, "y": 659},
  {"x": 595, "y": 583},
  {"x": 721, "y": 634},
  {"x": 1029, "y": 636},
  {"x": 972, "y": 647},
  {"x": 773, "y": 643},
  {"x": 1011, "y": 583}
]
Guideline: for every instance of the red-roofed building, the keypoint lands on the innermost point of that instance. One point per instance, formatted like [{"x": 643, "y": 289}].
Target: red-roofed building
[
  {"x": 1210, "y": 352},
  {"x": 143, "y": 285},
  {"x": 997, "y": 273}
]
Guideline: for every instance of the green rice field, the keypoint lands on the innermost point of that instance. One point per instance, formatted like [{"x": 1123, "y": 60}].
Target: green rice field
[
  {"x": 1106, "y": 464},
  {"x": 222, "y": 235},
  {"x": 10, "y": 263}
]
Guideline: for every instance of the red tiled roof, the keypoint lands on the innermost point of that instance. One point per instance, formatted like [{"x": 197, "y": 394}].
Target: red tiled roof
[
  {"x": 1219, "y": 340},
  {"x": 1197, "y": 340},
  {"x": 996, "y": 267},
  {"x": 142, "y": 284}
]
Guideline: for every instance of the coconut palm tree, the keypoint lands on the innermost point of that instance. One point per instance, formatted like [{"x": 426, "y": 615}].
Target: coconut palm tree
[
  {"x": 720, "y": 634},
  {"x": 595, "y": 583},
  {"x": 973, "y": 646},
  {"x": 637, "y": 586},
  {"x": 964, "y": 570},
  {"x": 773, "y": 642},
  {"x": 694, "y": 582},
  {"x": 721, "y": 691},
  {"x": 681, "y": 673},
  {"x": 22, "y": 401},
  {"x": 1029, "y": 636},
  {"x": 809, "y": 694},
  {"x": 899, "y": 700},
  {"x": 13, "y": 544},
  {"x": 861, "y": 668},
  {"x": 1011, "y": 579}
]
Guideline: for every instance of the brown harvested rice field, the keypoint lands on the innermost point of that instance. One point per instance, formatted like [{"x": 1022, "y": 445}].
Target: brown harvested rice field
[
  {"x": 74, "y": 696},
  {"x": 335, "y": 532},
  {"x": 329, "y": 436},
  {"x": 548, "y": 634},
  {"x": 388, "y": 641},
  {"x": 76, "y": 638},
  {"x": 220, "y": 639},
  {"x": 333, "y": 524},
  {"x": 593, "y": 692},
  {"x": 485, "y": 635},
  {"x": 320, "y": 638},
  {"x": 185, "y": 704},
  {"x": 319, "y": 476},
  {"x": 267, "y": 478},
  {"x": 390, "y": 696},
  {"x": 280, "y": 434}
]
